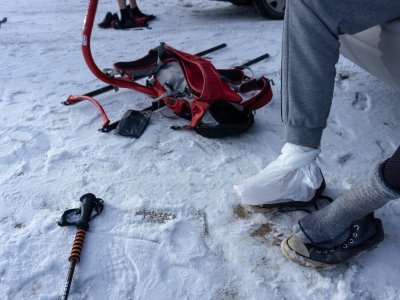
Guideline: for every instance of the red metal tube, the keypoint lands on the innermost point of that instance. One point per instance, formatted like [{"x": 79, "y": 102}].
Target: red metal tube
[{"x": 86, "y": 35}]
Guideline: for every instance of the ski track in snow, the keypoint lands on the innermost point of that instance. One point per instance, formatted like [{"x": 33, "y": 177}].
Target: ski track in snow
[{"x": 172, "y": 228}]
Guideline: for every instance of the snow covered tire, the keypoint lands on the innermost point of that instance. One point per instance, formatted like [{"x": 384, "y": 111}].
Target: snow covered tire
[
  {"x": 241, "y": 2},
  {"x": 271, "y": 9}
]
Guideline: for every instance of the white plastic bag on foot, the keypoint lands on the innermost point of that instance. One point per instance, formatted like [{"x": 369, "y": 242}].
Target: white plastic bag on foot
[{"x": 293, "y": 175}]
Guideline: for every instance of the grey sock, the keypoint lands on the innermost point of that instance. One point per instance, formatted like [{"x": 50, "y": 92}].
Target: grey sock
[
  {"x": 330, "y": 225},
  {"x": 300, "y": 234}
]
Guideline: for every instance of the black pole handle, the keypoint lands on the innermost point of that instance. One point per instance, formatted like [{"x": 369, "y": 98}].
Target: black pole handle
[
  {"x": 88, "y": 203},
  {"x": 64, "y": 220}
]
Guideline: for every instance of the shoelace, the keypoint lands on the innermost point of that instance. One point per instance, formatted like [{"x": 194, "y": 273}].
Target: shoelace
[{"x": 354, "y": 235}]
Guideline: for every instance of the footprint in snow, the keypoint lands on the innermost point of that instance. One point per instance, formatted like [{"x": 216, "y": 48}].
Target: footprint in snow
[
  {"x": 361, "y": 102},
  {"x": 18, "y": 97},
  {"x": 385, "y": 148},
  {"x": 342, "y": 81},
  {"x": 187, "y": 240},
  {"x": 27, "y": 150},
  {"x": 339, "y": 129},
  {"x": 343, "y": 159}
]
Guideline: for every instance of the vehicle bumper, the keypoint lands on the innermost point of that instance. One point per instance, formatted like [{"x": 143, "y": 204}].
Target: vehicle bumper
[{"x": 376, "y": 50}]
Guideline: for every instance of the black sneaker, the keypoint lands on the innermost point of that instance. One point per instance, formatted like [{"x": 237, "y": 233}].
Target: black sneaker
[
  {"x": 365, "y": 235},
  {"x": 108, "y": 20}
]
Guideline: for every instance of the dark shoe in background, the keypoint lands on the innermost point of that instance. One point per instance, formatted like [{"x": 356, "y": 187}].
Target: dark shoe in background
[
  {"x": 108, "y": 20},
  {"x": 136, "y": 13},
  {"x": 130, "y": 23}
]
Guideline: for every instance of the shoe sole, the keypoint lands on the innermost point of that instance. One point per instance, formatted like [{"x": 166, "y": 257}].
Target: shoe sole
[
  {"x": 301, "y": 260},
  {"x": 298, "y": 204}
]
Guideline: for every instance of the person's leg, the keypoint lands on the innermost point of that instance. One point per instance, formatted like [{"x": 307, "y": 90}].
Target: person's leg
[
  {"x": 122, "y": 4},
  {"x": 391, "y": 170},
  {"x": 327, "y": 225},
  {"x": 309, "y": 54},
  {"x": 128, "y": 18},
  {"x": 133, "y": 4},
  {"x": 123, "y": 10}
]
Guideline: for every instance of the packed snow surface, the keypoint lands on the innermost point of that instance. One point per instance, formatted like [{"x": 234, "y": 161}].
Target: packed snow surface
[{"x": 172, "y": 227}]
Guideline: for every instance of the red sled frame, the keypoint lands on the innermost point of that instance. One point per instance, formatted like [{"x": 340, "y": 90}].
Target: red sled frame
[{"x": 114, "y": 83}]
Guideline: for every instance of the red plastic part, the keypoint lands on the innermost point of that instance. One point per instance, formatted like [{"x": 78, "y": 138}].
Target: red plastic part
[
  {"x": 263, "y": 97},
  {"x": 73, "y": 99},
  {"x": 204, "y": 79}
]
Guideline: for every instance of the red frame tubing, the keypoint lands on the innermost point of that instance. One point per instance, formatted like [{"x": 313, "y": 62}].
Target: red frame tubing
[
  {"x": 87, "y": 54},
  {"x": 73, "y": 99}
]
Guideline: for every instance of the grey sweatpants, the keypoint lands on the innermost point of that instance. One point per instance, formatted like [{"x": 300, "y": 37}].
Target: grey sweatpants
[{"x": 309, "y": 54}]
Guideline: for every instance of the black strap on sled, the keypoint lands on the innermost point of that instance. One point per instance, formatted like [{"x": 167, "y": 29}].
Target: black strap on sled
[{"x": 153, "y": 61}]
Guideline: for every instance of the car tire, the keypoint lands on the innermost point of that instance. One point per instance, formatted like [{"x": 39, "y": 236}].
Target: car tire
[
  {"x": 271, "y": 9},
  {"x": 241, "y": 2}
]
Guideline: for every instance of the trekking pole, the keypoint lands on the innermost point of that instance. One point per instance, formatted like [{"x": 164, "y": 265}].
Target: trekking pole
[
  {"x": 89, "y": 202},
  {"x": 254, "y": 61},
  {"x": 108, "y": 88},
  {"x": 210, "y": 50}
]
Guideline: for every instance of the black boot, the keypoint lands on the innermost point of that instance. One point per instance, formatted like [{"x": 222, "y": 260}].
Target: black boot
[
  {"x": 136, "y": 13},
  {"x": 108, "y": 20},
  {"x": 365, "y": 234},
  {"x": 127, "y": 21}
]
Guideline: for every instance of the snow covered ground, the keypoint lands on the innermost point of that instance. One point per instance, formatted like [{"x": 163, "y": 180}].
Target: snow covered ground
[{"x": 172, "y": 227}]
